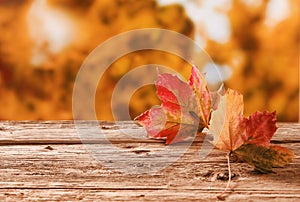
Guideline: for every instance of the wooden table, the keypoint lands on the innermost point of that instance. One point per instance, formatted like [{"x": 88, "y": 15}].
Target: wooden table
[{"x": 46, "y": 161}]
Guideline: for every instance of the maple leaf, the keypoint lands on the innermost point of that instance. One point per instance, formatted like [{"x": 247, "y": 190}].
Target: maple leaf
[
  {"x": 227, "y": 122},
  {"x": 260, "y": 128},
  {"x": 185, "y": 108},
  {"x": 248, "y": 138},
  {"x": 264, "y": 158},
  {"x": 203, "y": 96}
]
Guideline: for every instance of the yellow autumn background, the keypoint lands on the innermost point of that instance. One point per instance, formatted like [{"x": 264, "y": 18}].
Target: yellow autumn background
[{"x": 44, "y": 42}]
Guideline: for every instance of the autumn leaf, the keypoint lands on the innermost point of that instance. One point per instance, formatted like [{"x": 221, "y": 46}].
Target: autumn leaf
[
  {"x": 177, "y": 110},
  {"x": 248, "y": 138},
  {"x": 264, "y": 158},
  {"x": 227, "y": 122},
  {"x": 185, "y": 108},
  {"x": 203, "y": 96},
  {"x": 260, "y": 128}
]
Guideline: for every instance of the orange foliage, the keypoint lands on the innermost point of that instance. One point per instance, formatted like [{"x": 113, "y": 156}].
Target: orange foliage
[
  {"x": 36, "y": 81},
  {"x": 265, "y": 59},
  {"x": 43, "y": 89}
]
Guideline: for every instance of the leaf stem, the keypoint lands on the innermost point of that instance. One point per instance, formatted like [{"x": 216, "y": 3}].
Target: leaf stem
[{"x": 222, "y": 195}]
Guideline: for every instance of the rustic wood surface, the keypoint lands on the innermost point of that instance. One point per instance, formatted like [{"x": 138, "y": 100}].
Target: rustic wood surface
[{"x": 46, "y": 161}]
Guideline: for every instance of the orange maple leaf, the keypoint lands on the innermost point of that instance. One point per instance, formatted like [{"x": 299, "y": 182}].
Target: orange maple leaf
[{"x": 248, "y": 138}]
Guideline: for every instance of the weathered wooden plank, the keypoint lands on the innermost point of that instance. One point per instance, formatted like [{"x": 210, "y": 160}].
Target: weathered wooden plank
[
  {"x": 64, "y": 132},
  {"x": 70, "y": 167},
  {"x": 58, "y": 170},
  {"x": 137, "y": 195}
]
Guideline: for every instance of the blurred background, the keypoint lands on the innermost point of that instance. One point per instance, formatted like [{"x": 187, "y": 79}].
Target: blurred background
[{"x": 254, "y": 43}]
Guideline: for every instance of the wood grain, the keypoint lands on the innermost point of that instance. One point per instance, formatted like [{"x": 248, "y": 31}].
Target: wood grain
[{"x": 46, "y": 161}]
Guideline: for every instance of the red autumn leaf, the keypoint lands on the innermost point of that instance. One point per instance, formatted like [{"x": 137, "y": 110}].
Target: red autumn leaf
[
  {"x": 249, "y": 138},
  {"x": 185, "y": 108},
  {"x": 260, "y": 128},
  {"x": 203, "y": 96},
  {"x": 177, "y": 109}
]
